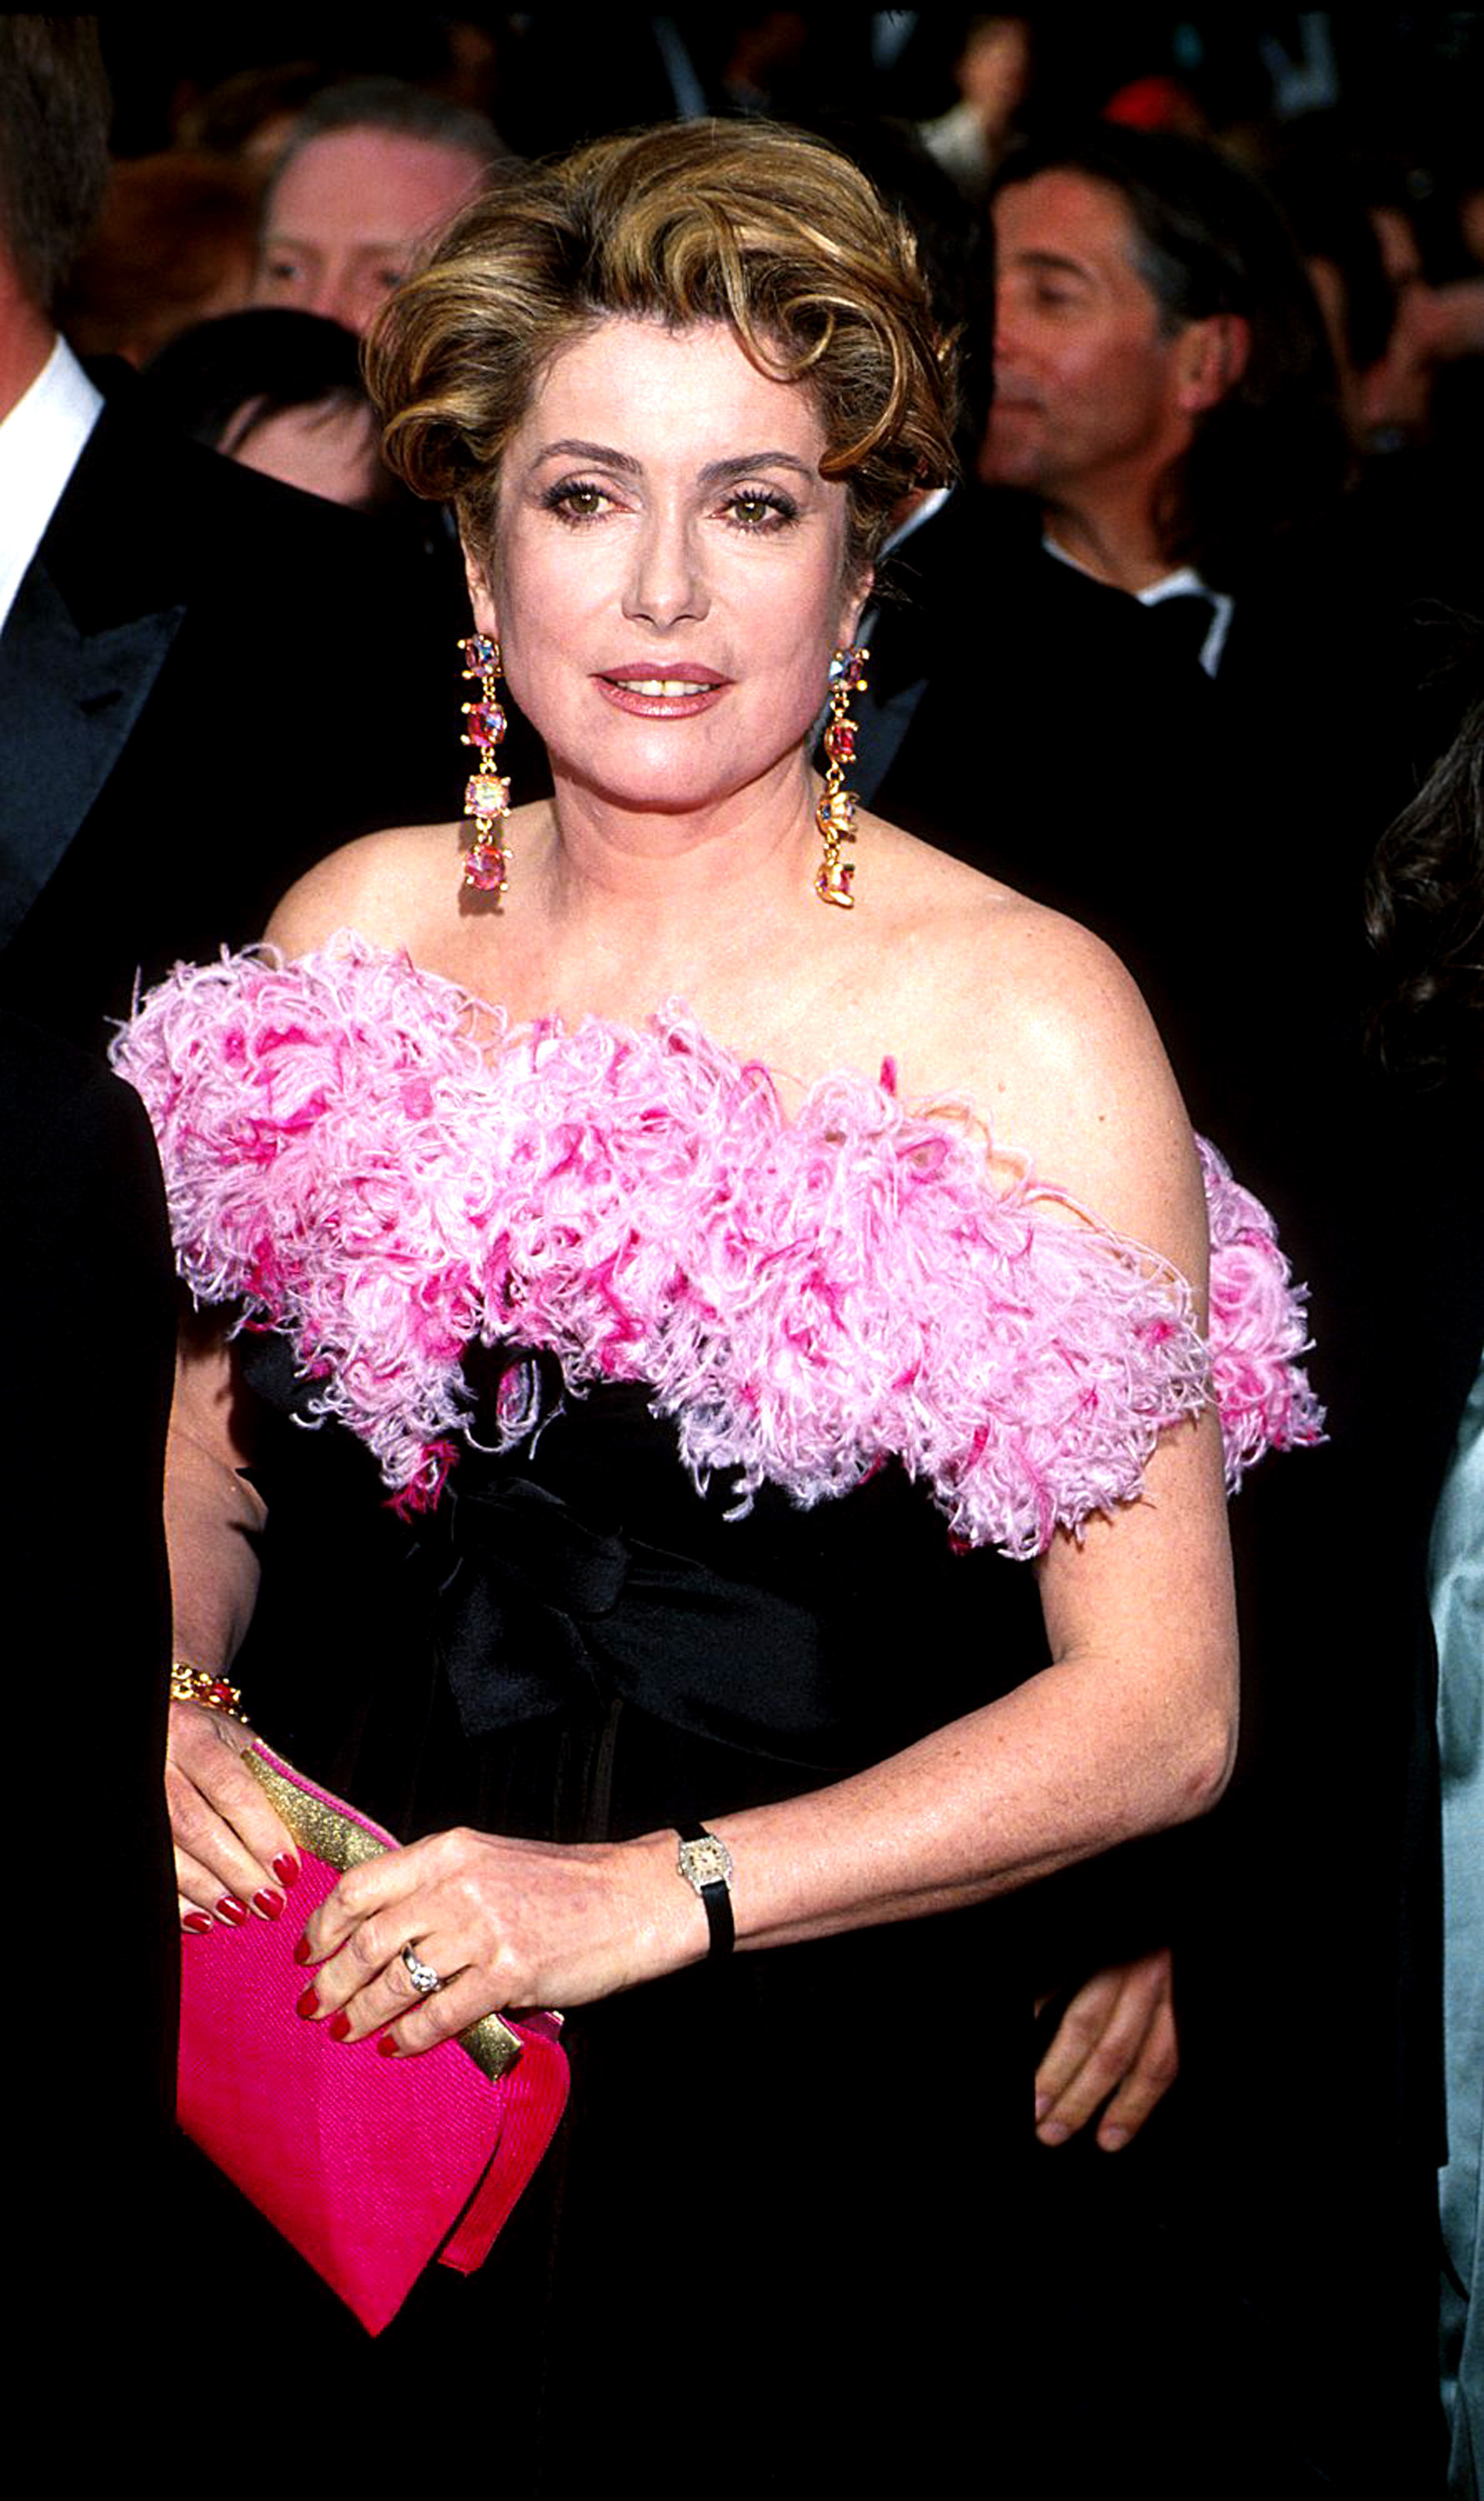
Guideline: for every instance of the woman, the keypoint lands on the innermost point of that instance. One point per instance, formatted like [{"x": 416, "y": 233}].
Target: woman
[
  {"x": 675, "y": 388},
  {"x": 281, "y": 392}
]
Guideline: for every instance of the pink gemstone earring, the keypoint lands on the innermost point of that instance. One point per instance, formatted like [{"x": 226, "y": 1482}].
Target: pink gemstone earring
[
  {"x": 487, "y": 793},
  {"x": 835, "y": 814}
]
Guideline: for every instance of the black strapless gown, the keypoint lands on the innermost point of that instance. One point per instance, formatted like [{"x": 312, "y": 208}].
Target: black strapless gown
[{"x": 779, "y": 2223}]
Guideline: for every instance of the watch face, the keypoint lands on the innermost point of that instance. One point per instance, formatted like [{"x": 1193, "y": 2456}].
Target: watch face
[{"x": 705, "y": 1862}]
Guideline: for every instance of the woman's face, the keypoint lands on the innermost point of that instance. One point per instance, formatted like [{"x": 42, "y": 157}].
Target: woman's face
[{"x": 667, "y": 580}]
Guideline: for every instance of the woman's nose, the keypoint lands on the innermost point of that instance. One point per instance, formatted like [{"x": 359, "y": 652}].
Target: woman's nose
[{"x": 668, "y": 586}]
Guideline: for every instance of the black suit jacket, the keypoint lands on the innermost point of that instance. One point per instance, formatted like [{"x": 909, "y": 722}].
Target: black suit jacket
[
  {"x": 88, "y": 1292},
  {"x": 1216, "y": 835},
  {"x": 206, "y": 683},
  {"x": 1054, "y": 742}
]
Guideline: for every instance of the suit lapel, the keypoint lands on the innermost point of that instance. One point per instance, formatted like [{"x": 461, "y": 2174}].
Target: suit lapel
[{"x": 68, "y": 703}]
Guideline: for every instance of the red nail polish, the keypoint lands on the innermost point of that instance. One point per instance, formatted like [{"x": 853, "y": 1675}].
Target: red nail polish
[
  {"x": 307, "y": 2004},
  {"x": 232, "y": 1911},
  {"x": 198, "y": 1923},
  {"x": 286, "y": 1869},
  {"x": 272, "y": 1905},
  {"x": 302, "y": 1951},
  {"x": 386, "y": 2047},
  {"x": 340, "y": 2026}
]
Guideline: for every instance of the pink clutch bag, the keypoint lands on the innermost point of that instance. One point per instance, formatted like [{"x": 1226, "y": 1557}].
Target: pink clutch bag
[{"x": 372, "y": 2167}]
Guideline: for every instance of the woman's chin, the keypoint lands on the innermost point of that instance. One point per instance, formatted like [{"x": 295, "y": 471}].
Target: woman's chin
[{"x": 671, "y": 787}]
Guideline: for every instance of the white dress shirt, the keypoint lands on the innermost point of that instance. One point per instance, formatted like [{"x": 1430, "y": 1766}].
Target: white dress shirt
[
  {"x": 1184, "y": 583},
  {"x": 41, "y": 442}
]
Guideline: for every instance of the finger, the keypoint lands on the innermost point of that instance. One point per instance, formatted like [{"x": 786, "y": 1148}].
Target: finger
[
  {"x": 369, "y": 1984},
  {"x": 208, "y": 1787},
  {"x": 220, "y": 1864},
  {"x": 202, "y": 1896},
  {"x": 1109, "y": 2054},
  {"x": 1076, "y": 2036},
  {"x": 461, "y": 2003},
  {"x": 1144, "y": 2087},
  {"x": 194, "y": 1922},
  {"x": 383, "y": 1884}
]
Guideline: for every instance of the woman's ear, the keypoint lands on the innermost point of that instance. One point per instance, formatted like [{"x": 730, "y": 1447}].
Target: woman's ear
[
  {"x": 481, "y": 597},
  {"x": 858, "y": 597}
]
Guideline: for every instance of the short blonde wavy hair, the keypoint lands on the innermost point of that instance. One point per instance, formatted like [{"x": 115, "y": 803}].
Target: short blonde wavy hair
[{"x": 766, "y": 229}]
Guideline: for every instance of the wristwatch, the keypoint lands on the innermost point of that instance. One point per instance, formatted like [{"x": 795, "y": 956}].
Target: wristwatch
[{"x": 706, "y": 1866}]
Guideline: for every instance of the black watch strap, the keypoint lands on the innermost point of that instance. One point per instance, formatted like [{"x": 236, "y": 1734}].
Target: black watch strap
[{"x": 705, "y": 1862}]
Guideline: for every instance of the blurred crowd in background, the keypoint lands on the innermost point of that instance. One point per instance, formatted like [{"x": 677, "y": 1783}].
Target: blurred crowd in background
[
  {"x": 1366, "y": 123},
  {"x": 1192, "y": 633}
]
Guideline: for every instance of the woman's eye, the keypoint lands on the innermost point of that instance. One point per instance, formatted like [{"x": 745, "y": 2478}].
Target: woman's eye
[
  {"x": 754, "y": 508},
  {"x": 575, "y": 501}
]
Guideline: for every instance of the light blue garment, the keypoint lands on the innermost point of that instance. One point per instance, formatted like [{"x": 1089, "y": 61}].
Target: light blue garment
[{"x": 1458, "y": 1618}]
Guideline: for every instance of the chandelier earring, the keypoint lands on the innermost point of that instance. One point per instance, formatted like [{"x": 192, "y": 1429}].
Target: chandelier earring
[
  {"x": 835, "y": 814},
  {"x": 487, "y": 792}
]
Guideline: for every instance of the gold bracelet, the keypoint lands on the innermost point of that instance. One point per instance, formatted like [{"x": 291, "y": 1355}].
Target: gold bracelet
[{"x": 190, "y": 1683}]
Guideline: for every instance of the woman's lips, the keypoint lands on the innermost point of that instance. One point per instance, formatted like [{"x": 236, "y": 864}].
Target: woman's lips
[{"x": 673, "y": 692}]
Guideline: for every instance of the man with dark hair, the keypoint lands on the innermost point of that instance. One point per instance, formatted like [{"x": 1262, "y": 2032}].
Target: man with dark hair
[
  {"x": 1164, "y": 405},
  {"x": 86, "y": 1272},
  {"x": 191, "y": 658},
  {"x": 372, "y": 166},
  {"x": 53, "y": 169},
  {"x": 1164, "y": 381},
  {"x": 1167, "y": 409}
]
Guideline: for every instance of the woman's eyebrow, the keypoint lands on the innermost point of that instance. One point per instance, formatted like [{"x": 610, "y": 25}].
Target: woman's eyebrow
[
  {"x": 569, "y": 449},
  {"x": 716, "y": 472}
]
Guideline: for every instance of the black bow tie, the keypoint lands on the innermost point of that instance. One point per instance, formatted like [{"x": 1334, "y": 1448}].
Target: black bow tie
[{"x": 1183, "y": 619}]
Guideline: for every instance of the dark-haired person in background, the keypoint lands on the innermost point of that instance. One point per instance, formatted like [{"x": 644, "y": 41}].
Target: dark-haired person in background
[
  {"x": 1167, "y": 409},
  {"x": 191, "y": 660},
  {"x": 1165, "y": 403},
  {"x": 281, "y": 392},
  {"x": 1164, "y": 386},
  {"x": 85, "y": 1275}
]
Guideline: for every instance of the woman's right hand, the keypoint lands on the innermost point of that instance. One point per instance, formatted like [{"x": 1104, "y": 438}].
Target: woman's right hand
[{"x": 234, "y": 1857}]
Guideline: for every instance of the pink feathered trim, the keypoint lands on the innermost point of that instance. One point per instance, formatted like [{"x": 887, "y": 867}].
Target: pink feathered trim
[{"x": 376, "y": 1166}]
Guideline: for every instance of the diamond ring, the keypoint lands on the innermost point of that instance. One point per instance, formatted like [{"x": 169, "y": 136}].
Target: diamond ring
[{"x": 423, "y": 1976}]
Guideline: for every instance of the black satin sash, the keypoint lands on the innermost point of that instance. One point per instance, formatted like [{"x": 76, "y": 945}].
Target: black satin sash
[
  {"x": 539, "y": 1611},
  {"x": 580, "y": 1569}
]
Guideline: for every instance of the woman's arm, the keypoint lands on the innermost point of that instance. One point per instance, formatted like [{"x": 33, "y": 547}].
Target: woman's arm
[
  {"x": 233, "y": 1858},
  {"x": 213, "y": 1515},
  {"x": 1131, "y": 1726}
]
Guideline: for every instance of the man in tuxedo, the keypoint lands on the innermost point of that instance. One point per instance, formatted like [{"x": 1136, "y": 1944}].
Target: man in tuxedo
[
  {"x": 1163, "y": 403},
  {"x": 86, "y": 1278},
  {"x": 206, "y": 679},
  {"x": 1164, "y": 384},
  {"x": 1163, "y": 431},
  {"x": 1166, "y": 400}
]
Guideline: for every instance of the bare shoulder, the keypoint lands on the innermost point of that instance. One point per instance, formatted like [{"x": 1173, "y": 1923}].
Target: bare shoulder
[
  {"x": 990, "y": 971},
  {"x": 1035, "y": 1020},
  {"x": 385, "y": 887}
]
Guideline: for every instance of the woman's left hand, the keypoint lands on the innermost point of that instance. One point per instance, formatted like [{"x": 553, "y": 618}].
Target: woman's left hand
[{"x": 503, "y": 1924}]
